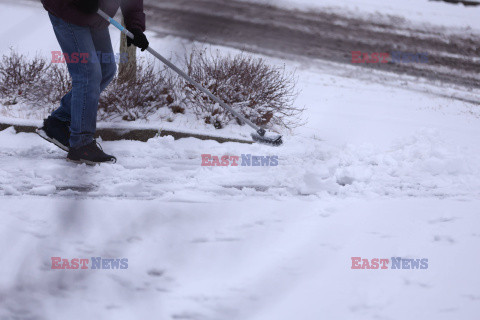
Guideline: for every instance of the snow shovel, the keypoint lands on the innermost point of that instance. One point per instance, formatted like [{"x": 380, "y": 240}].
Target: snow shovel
[{"x": 260, "y": 134}]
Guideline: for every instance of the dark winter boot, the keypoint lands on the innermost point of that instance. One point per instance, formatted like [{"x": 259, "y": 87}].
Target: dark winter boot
[
  {"x": 90, "y": 154},
  {"x": 56, "y": 131}
]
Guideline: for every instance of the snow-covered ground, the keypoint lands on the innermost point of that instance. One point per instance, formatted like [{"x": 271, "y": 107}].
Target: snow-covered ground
[
  {"x": 251, "y": 259},
  {"x": 379, "y": 171}
]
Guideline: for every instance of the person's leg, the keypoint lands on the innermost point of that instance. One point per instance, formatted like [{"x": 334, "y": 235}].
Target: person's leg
[
  {"x": 86, "y": 80},
  {"x": 103, "y": 44},
  {"x": 63, "y": 112}
]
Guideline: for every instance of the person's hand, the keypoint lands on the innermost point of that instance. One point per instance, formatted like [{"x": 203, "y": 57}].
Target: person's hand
[
  {"x": 87, "y": 6},
  {"x": 139, "y": 40}
]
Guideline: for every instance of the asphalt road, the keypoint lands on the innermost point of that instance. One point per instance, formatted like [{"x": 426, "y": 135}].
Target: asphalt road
[{"x": 453, "y": 57}]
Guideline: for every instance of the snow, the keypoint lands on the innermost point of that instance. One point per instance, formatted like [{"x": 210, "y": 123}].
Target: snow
[
  {"x": 29, "y": 22},
  {"x": 381, "y": 169},
  {"x": 420, "y": 164},
  {"x": 283, "y": 260},
  {"x": 358, "y": 107}
]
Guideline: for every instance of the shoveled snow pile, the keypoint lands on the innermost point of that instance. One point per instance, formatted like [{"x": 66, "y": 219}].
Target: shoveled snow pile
[{"x": 417, "y": 165}]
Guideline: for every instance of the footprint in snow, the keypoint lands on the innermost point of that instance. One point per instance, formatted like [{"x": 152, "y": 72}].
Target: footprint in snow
[
  {"x": 444, "y": 239},
  {"x": 155, "y": 272}
]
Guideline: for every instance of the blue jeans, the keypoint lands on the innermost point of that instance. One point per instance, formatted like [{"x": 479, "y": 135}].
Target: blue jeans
[{"x": 80, "y": 105}]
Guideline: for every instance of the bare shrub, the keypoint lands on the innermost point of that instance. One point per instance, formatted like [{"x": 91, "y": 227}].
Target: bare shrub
[
  {"x": 32, "y": 80},
  {"x": 21, "y": 79},
  {"x": 137, "y": 97},
  {"x": 41, "y": 84},
  {"x": 262, "y": 93},
  {"x": 58, "y": 81}
]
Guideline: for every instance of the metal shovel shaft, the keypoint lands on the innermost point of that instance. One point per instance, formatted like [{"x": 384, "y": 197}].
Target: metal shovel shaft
[{"x": 182, "y": 74}]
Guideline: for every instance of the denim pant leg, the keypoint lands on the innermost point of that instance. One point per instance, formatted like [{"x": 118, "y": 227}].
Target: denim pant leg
[
  {"x": 86, "y": 81},
  {"x": 64, "y": 111},
  {"x": 103, "y": 45},
  {"x": 106, "y": 58}
]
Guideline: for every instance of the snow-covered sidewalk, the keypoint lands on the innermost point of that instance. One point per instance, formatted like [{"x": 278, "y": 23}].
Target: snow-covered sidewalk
[
  {"x": 250, "y": 259},
  {"x": 421, "y": 165}
]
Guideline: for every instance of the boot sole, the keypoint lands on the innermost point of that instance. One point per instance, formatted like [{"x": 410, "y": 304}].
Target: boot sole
[
  {"x": 90, "y": 163},
  {"x": 44, "y": 136}
]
